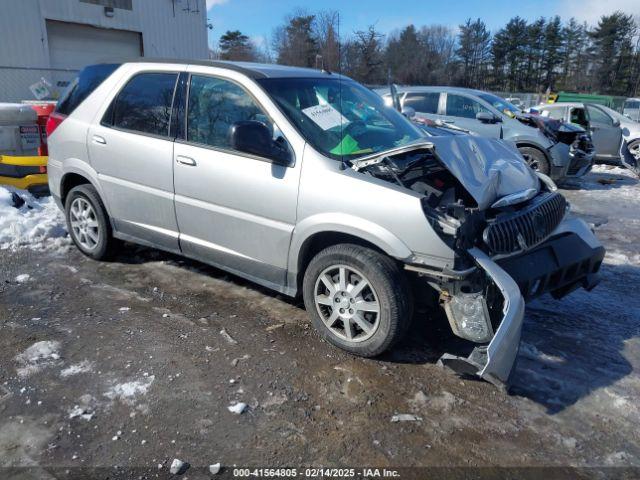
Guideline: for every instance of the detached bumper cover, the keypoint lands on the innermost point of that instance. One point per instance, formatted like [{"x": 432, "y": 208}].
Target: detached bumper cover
[{"x": 494, "y": 362}]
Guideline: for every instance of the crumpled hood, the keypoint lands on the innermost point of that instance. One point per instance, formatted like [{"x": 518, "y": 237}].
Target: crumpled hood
[{"x": 488, "y": 168}]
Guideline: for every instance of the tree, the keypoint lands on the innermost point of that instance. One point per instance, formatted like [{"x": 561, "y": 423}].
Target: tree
[
  {"x": 236, "y": 46},
  {"x": 327, "y": 32},
  {"x": 553, "y": 51},
  {"x": 406, "y": 56},
  {"x": 368, "y": 63},
  {"x": 295, "y": 42},
  {"x": 613, "y": 52},
  {"x": 474, "y": 41}
]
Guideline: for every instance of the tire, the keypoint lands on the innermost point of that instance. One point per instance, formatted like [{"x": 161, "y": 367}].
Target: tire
[
  {"x": 634, "y": 149},
  {"x": 386, "y": 287},
  {"x": 536, "y": 159},
  {"x": 97, "y": 241}
]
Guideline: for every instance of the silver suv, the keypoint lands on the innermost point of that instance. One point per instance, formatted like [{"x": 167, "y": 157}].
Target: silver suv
[
  {"x": 305, "y": 182},
  {"x": 490, "y": 116}
]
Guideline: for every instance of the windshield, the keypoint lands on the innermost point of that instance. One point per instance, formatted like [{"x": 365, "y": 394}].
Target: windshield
[
  {"x": 340, "y": 118},
  {"x": 500, "y": 104}
]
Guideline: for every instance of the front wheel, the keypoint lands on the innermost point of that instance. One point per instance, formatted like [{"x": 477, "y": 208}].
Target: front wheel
[
  {"x": 358, "y": 299},
  {"x": 536, "y": 159}
]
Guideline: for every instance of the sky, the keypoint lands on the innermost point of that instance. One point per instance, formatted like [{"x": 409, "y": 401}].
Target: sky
[{"x": 258, "y": 18}]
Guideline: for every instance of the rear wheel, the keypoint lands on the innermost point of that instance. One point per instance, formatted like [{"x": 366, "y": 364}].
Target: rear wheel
[
  {"x": 88, "y": 223},
  {"x": 358, "y": 299},
  {"x": 536, "y": 159}
]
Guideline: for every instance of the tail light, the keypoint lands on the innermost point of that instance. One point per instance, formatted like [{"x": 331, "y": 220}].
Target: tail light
[{"x": 54, "y": 120}]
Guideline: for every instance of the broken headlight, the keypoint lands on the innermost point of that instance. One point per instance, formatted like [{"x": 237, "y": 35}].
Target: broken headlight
[{"x": 469, "y": 316}]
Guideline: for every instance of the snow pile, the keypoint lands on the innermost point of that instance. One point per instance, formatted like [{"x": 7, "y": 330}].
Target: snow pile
[
  {"x": 127, "y": 392},
  {"x": 84, "y": 366},
  {"x": 38, "y": 356},
  {"x": 38, "y": 223}
]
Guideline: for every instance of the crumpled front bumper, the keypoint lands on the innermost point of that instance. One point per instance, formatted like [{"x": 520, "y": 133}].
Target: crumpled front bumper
[
  {"x": 494, "y": 362},
  {"x": 568, "y": 259}
]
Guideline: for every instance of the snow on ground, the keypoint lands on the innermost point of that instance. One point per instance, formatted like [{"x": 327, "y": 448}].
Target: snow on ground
[
  {"x": 37, "y": 356},
  {"x": 582, "y": 350},
  {"x": 84, "y": 366},
  {"x": 37, "y": 224},
  {"x": 127, "y": 392}
]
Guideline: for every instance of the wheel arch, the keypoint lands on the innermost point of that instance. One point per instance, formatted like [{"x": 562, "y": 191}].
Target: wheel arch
[{"x": 305, "y": 246}]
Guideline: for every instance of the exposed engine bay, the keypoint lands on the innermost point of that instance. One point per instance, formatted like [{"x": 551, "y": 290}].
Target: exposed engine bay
[{"x": 489, "y": 207}]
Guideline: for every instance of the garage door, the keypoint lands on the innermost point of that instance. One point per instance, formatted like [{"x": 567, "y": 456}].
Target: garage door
[{"x": 73, "y": 46}]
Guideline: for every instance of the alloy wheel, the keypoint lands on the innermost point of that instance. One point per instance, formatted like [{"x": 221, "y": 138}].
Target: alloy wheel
[
  {"x": 84, "y": 223},
  {"x": 347, "y": 303}
]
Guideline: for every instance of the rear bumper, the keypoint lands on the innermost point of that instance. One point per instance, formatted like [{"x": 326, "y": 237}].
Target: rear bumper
[{"x": 569, "y": 259}]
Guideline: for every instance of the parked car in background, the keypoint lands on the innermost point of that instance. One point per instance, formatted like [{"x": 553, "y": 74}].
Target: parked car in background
[
  {"x": 489, "y": 116},
  {"x": 631, "y": 109},
  {"x": 516, "y": 102},
  {"x": 305, "y": 182},
  {"x": 609, "y": 129}
]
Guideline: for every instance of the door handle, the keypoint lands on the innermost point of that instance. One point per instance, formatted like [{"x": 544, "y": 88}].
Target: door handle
[
  {"x": 449, "y": 121},
  {"x": 99, "y": 139},
  {"x": 182, "y": 160}
]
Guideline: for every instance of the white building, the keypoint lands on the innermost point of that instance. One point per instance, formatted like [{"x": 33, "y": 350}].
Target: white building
[{"x": 51, "y": 39}]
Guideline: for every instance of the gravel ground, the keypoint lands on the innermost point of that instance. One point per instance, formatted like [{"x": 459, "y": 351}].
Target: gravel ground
[{"x": 134, "y": 363}]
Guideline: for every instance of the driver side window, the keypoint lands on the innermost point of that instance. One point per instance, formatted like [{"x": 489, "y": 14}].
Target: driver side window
[
  {"x": 598, "y": 116},
  {"x": 461, "y": 106},
  {"x": 214, "y": 105}
]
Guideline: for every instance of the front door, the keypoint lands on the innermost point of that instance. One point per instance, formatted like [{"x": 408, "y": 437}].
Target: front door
[
  {"x": 133, "y": 154},
  {"x": 606, "y": 135},
  {"x": 234, "y": 210}
]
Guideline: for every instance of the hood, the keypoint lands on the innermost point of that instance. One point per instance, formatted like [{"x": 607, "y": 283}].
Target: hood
[{"x": 488, "y": 168}]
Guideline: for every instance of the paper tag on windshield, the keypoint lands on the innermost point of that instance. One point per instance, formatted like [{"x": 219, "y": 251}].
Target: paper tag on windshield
[{"x": 325, "y": 116}]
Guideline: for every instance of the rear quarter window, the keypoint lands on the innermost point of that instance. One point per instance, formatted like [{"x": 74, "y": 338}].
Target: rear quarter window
[
  {"x": 144, "y": 104},
  {"x": 84, "y": 84}
]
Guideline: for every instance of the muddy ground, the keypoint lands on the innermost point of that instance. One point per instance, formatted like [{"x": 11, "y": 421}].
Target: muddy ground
[{"x": 133, "y": 363}]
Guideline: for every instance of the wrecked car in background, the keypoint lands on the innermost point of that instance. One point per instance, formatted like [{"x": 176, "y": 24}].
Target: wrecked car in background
[
  {"x": 490, "y": 116},
  {"x": 305, "y": 182},
  {"x": 616, "y": 138}
]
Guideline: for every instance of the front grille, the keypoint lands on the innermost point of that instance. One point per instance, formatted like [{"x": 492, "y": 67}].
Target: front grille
[{"x": 512, "y": 232}]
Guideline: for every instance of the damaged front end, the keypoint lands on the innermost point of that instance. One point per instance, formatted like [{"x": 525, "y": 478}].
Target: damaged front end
[
  {"x": 506, "y": 226},
  {"x": 569, "y": 141}
]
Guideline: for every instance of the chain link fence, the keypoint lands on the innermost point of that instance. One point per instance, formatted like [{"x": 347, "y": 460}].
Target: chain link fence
[{"x": 26, "y": 83}]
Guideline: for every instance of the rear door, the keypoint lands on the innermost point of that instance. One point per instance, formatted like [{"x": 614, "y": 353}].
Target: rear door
[
  {"x": 234, "y": 209},
  {"x": 606, "y": 136},
  {"x": 131, "y": 149},
  {"x": 461, "y": 110}
]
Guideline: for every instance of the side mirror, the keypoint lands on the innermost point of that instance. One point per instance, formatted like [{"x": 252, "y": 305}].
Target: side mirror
[
  {"x": 486, "y": 117},
  {"x": 254, "y": 137},
  {"x": 616, "y": 122},
  {"x": 408, "y": 112}
]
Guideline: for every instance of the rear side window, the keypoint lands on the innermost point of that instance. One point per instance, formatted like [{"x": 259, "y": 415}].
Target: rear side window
[
  {"x": 557, "y": 113},
  {"x": 423, "y": 102},
  {"x": 85, "y": 83},
  {"x": 632, "y": 104},
  {"x": 144, "y": 104}
]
